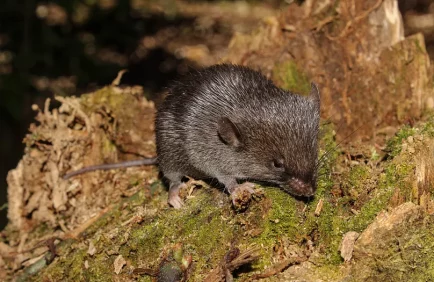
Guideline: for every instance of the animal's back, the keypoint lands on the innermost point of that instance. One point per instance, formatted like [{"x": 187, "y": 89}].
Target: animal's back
[
  {"x": 186, "y": 126},
  {"x": 188, "y": 116}
]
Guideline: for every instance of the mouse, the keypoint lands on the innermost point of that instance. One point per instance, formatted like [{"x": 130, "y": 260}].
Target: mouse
[{"x": 232, "y": 124}]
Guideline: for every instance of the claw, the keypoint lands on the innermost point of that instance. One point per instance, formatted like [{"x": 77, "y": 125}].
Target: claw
[
  {"x": 174, "y": 198},
  {"x": 242, "y": 194},
  {"x": 175, "y": 201}
]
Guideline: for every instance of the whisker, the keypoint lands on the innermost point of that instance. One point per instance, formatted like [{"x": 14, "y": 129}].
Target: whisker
[{"x": 335, "y": 147}]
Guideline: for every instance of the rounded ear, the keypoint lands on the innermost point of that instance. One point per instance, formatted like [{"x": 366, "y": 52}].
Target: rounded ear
[
  {"x": 229, "y": 132},
  {"x": 314, "y": 93}
]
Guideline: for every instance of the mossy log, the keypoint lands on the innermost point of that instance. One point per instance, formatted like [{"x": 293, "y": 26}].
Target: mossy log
[
  {"x": 143, "y": 230},
  {"x": 372, "y": 215}
]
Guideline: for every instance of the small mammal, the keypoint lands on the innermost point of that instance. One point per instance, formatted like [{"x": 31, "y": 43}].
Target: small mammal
[{"x": 231, "y": 123}]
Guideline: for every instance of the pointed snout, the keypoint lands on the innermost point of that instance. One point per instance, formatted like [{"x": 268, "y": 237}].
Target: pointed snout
[{"x": 299, "y": 187}]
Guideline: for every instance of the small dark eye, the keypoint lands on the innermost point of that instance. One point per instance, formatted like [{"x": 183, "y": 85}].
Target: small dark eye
[{"x": 278, "y": 163}]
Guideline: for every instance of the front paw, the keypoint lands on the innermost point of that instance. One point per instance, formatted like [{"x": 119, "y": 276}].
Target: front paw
[{"x": 241, "y": 195}]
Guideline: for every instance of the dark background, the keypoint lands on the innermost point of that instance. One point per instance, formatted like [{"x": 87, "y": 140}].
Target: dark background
[
  {"x": 68, "y": 47},
  {"x": 42, "y": 57}
]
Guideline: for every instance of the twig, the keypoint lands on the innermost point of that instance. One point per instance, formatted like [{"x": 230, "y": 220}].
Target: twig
[
  {"x": 76, "y": 232},
  {"x": 244, "y": 258},
  {"x": 357, "y": 19},
  {"x": 118, "y": 78},
  {"x": 322, "y": 23},
  {"x": 78, "y": 109},
  {"x": 223, "y": 271},
  {"x": 278, "y": 268}
]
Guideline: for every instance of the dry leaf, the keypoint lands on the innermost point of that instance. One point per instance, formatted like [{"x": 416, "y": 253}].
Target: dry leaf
[
  {"x": 119, "y": 263},
  {"x": 92, "y": 250},
  {"x": 347, "y": 245}
]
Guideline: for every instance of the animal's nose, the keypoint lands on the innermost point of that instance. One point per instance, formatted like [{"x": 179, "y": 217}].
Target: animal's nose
[{"x": 301, "y": 188}]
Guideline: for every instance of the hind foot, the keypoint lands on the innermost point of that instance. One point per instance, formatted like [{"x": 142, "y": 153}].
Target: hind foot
[{"x": 174, "y": 199}]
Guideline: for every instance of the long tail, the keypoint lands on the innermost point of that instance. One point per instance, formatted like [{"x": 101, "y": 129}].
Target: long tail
[{"x": 148, "y": 161}]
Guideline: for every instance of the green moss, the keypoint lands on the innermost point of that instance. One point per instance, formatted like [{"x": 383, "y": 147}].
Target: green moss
[
  {"x": 282, "y": 219},
  {"x": 330, "y": 232},
  {"x": 296, "y": 220},
  {"x": 289, "y": 77},
  {"x": 325, "y": 226},
  {"x": 75, "y": 264},
  {"x": 420, "y": 46},
  {"x": 374, "y": 155},
  {"x": 71, "y": 266},
  {"x": 368, "y": 212},
  {"x": 204, "y": 231},
  {"x": 428, "y": 127},
  {"x": 355, "y": 180},
  {"x": 104, "y": 96},
  {"x": 328, "y": 153},
  {"x": 155, "y": 187},
  {"x": 396, "y": 172},
  {"x": 145, "y": 279},
  {"x": 329, "y": 273},
  {"x": 358, "y": 174},
  {"x": 100, "y": 269},
  {"x": 335, "y": 220},
  {"x": 276, "y": 219},
  {"x": 41, "y": 230},
  {"x": 108, "y": 148},
  {"x": 394, "y": 145},
  {"x": 103, "y": 221},
  {"x": 199, "y": 226},
  {"x": 114, "y": 102},
  {"x": 394, "y": 176},
  {"x": 324, "y": 229}
]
